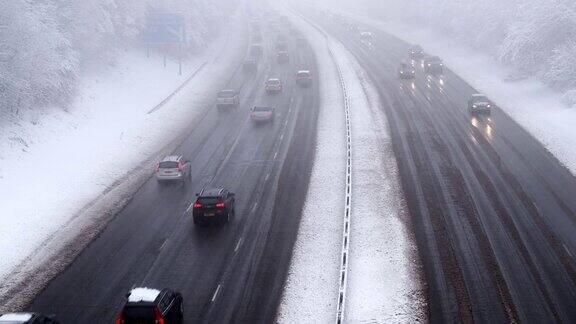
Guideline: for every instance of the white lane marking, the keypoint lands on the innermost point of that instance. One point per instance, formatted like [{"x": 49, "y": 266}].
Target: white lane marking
[
  {"x": 254, "y": 207},
  {"x": 267, "y": 176},
  {"x": 238, "y": 245},
  {"x": 216, "y": 293},
  {"x": 163, "y": 244},
  {"x": 282, "y": 136},
  {"x": 275, "y": 155},
  {"x": 189, "y": 207},
  {"x": 286, "y": 123},
  {"x": 567, "y": 251}
]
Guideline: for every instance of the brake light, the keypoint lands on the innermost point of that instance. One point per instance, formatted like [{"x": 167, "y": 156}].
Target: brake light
[
  {"x": 157, "y": 167},
  {"x": 197, "y": 205},
  {"x": 120, "y": 318},
  {"x": 220, "y": 205},
  {"x": 158, "y": 319},
  {"x": 179, "y": 166}
]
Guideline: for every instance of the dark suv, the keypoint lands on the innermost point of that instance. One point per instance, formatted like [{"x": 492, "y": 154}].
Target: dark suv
[
  {"x": 151, "y": 306},
  {"x": 213, "y": 206}
]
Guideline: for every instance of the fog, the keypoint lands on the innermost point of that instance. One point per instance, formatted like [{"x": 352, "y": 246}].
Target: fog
[{"x": 535, "y": 37}]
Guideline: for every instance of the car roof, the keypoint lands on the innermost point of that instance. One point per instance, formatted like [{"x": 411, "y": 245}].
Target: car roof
[
  {"x": 303, "y": 71},
  {"x": 211, "y": 192},
  {"x": 274, "y": 80},
  {"x": 16, "y": 317},
  {"x": 172, "y": 158},
  {"x": 478, "y": 95},
  {"x": 143, "y": 294},
  {"x": 228, "y": 91},
  {"x": 262, "y": 108}
]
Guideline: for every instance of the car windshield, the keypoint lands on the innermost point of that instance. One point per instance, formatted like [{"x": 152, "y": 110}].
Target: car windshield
[
  {"x": 303, "y": 74},
  {"x": 139, "y": 314},
  {"x": 273, "y": 82},
  {"x": 226, "y": 94},
  {"x": 480, "y": 99},
  {"x": 168, "y": 165}
]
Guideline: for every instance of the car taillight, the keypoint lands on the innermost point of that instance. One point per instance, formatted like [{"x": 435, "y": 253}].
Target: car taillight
[
  {"x": 157, "y": 167},
  {"x": 120, "y": 318},
  {"x": 197, "y": 205},
  {"x": 220, "y": 205},
  {"x": 179, "y": 166},
  {"x": 158, "y": 319}
]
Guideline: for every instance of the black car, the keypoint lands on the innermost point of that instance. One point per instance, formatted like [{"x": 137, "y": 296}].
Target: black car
[
  {"x": 282, "y": 57},
  {"x": 27, "y": 318},
  {"x": 213, "y": 206},
  {"x": 416, "y": 52},
  {"x": 433, "y": 65},
  {"x": 150, "y": 306}
]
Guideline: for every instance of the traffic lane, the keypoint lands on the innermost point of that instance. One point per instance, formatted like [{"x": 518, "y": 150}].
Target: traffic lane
[
  {"x": 159, "y": 245},
  {"x": 489, "y": 134},
  {"x": 265, "y": 264}
]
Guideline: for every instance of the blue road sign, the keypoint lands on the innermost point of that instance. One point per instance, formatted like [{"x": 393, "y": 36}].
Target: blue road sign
[{"x": 163, "y": 27}]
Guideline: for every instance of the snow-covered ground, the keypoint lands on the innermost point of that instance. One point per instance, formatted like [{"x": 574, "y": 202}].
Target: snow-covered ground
[
  {"x": 530, "y": 102},
  {"x": 383, "y": 278},
  {"x": 64, "y": 173}
]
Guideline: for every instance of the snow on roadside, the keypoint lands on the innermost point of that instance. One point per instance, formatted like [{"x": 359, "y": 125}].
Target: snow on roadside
[
  {"x": 383, "y": 282},
  {"x": 383, "y": 279},
  {"x": 530, "y": 102},
  {"x": 311, "y": 292},
  {"x": 69, "y": 161}
]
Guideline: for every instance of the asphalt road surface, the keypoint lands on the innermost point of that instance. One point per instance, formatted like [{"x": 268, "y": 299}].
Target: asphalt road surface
[
  {"x": 493, "y": 211},
  {"x": 233, "y": 273}
]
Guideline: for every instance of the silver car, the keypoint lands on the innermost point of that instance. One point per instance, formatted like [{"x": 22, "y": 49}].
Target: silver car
[
  {"x": 173, "y": 168},
  {"x": 479, "y": 104}
]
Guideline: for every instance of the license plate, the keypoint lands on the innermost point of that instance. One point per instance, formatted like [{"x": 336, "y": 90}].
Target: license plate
[{"x": 209, "y": 214}]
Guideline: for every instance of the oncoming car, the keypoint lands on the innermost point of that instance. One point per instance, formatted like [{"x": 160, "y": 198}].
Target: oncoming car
[
  {"x": 433, "y": 65},
  {"x": 416, "y": 52},
  {"x": 479, "y": 104},
  {"x": 406, "y": 71},
  {"x": 154, "y": 306}
]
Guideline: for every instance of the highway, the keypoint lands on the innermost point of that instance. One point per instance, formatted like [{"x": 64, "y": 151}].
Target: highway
[
  {"x": 233, "y": 273},
  {"x": 494, "y": 213}
]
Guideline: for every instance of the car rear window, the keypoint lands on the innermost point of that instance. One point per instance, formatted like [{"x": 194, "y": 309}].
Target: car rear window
[
  {"x": 303, "y": 74},
  {"x": 168, "y": 165},
  {"x": 261, "y": 109},
  {"x": 227, "y": 94},
  {"x": 208, "y": 200},
  {"x": 139, "y": 315},
  {"x": 273, "y": 81}
]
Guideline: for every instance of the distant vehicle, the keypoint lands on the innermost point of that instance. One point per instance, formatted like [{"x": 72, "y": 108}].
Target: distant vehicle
[
  {"x": 256, "y": 50},
  {"x": 173, "y": 168},
  {"x": 250, "y": 65},
  {"x": 479, "y": 104},
  {"x": 416, "y": 52},
  {"x": 301, "y": 42},
  {"x": 273, "y": 86},
  {"x": 262, "y": 114},
  {"x": 227, "y": 98},
  {"x": 303, "y": 78},
  {"x": 282, "y": 57},
  {"x": 27, "y": 318},
  {"x": 433, "y": 65},
  {"x": 406, "y": 71},
  {"x": 214, "y": 206},
  {"x": 147, "y": 305},
  {"x": 366, "y": 36},
  {"x": 256, "y": 38},
  {"x": 281, "y": 45}
]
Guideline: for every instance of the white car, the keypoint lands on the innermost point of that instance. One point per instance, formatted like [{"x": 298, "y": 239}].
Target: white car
[
  {"x": 304, "y": 78},
  {"x": 173, "y": 168},
  {"x": 273, "y": 86}
]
